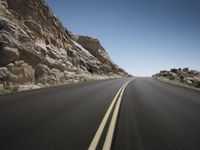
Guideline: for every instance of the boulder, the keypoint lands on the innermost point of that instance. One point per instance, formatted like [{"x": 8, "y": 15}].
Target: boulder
[
  {"x": 196, "y": 78},
  {"x": 8, "y": 55},
  {"x": 186, "y": 69},
  {"x": 179, "y": 69},
  {"x": 189, "y": 78},
  {"x": 45, "y": 75},
  {"x": 56, "y": 75},
  {"x": 174, "y": 70},
  {"x": 193, "y": 72},
  {"x": 188, "y": 81},
  {"x": 3, "y": 75},
  {"x": 165, "y": 73},
  {"x": 69, "y": 75},
  {"x": 56, "y": 64},
  {"x": 18, "y": 73},
  {"x": 42, "y": 73}
]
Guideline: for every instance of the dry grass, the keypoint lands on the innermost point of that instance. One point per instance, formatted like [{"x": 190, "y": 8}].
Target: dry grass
[{"x": 177, "y": 82}]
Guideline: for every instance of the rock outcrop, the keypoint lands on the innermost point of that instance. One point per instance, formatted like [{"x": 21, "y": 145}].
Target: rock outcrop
[
  {"x": 36, "y": 48},
  {"x": 185, "y": 75}
]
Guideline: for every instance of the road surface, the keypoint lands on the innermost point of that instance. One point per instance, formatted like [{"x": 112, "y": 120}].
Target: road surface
[{"x": 152, "y": 116}]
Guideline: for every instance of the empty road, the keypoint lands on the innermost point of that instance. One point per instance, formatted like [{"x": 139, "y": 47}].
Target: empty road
[{"x": 152, "y": 115}]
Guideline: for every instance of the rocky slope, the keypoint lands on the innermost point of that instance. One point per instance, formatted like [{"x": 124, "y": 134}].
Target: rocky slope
[
  {"x": 35, "y": 48},
  {"x": 185, "y": 76}
]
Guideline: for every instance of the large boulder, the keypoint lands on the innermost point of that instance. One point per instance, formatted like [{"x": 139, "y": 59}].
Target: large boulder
[
  {"x": 45, "y": 75},
  {"x": 18, "y": 73},
  {"x": 42, "y": 73},
  {"x": 8, "y": 55},
  {"x": 56, "y": 75}
]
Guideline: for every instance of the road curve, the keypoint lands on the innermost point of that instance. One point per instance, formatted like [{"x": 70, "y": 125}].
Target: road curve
[
  {"x": 158, "y": 116},
  {"x": 153, "y": 116},
  {"x": 58, "y": 118}
]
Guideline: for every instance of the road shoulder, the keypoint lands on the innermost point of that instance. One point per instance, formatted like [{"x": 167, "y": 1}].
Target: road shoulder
[{"x": 176, "y": 84}]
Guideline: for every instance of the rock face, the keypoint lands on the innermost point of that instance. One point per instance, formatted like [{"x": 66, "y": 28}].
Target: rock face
[
  {"x": 36, "y": 48},
  {"x": 8, "y": 55},
  {"x": 18, "y": 72},
  {"x": 189, "y": 77}
]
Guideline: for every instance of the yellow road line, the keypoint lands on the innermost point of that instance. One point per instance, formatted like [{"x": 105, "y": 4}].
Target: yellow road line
[
  {"x": 98, "y": 134},
  {"x": 110, "y": 133}
]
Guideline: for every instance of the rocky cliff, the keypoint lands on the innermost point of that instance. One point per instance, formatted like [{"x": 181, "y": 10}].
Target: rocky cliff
[
  {"x": 36, "y": 48},
  {"x": 184, "y": 76}
]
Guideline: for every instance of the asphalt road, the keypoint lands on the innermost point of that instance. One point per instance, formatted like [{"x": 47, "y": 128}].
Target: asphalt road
[
  {"x": 153, "y": 116},
  {"x": 158, "y": 116}
]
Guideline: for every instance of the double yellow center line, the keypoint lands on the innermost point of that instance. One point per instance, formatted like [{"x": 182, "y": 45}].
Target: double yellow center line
[{"x": 108, "y": 140}]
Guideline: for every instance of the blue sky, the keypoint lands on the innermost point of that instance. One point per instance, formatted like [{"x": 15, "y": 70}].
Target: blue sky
[{"x": 141, "y": 36}]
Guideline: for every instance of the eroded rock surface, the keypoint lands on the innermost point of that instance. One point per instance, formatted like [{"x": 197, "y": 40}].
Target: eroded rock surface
[{"x": 36, "y": 48}]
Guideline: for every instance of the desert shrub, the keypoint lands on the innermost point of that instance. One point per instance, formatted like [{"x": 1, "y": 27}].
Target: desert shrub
[
  {"x": 172, "y": 78},
  {"x": 12, "y": 88},
  {"x": 83, "y": 80},
  {"x": 197, "y": 84},
  {"x": 181, "y": 78},
  {"x": 15, "y": 88}
]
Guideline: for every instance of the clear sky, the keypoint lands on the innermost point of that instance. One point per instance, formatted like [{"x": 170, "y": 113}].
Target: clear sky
[{"x": 141, "y": 36}]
